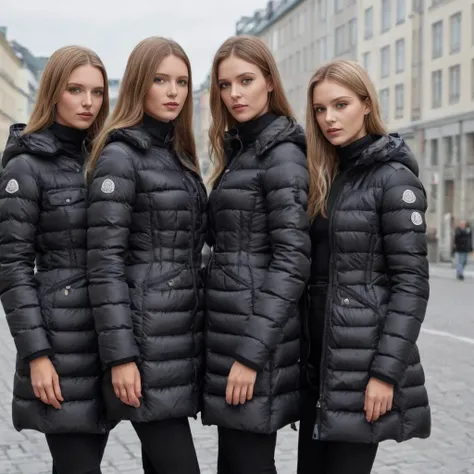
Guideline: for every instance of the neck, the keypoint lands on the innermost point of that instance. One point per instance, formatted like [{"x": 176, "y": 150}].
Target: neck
[
  {"x": 71, "y": 139},
  {"x": 160, "y": 132}
]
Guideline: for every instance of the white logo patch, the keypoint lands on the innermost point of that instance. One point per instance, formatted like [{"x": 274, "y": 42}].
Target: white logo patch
[
  {"x": 409, "y": 196},
  {"x": 12, "y": 186},
  {"x": 416, "y": 218},
  {"x": 108, "y": 186}
]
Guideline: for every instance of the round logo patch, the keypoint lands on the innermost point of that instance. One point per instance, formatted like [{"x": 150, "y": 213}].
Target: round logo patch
[
  {"x": 408, "y": 196},
  {"x": 416, "y": 218},
  {"x": 12, "y": 186},
  {"x": 108, "y": 186}
]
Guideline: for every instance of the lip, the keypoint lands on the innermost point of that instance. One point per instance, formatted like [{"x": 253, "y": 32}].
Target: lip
[
  {"x": 239, "y": 107},
  {"x": 171, "y": 105},
  {"x": 85, "y": 115},
  {"x": 333, "y": 131}
]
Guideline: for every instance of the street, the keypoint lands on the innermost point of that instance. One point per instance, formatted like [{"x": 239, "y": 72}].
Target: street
[{"x": 446, "y": 346}]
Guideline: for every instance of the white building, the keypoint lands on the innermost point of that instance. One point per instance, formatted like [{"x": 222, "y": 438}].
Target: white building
[{"x": 114, "y": 86}]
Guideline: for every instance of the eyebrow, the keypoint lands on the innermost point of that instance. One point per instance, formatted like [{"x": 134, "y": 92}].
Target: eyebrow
[
  {"x": 168, "y": 76},
  {"x": 337, "y": 99},
  {"x": 82, "y": 85},
  {"x": 240, "y": 75}
]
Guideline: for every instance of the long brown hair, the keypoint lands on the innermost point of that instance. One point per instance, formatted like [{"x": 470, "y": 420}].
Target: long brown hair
[
  {"x": 137, "y": 81},
  {"x": 322, "y": 157},
  {"x": 54, "y": 81},
  {"x": 254, "y": 51}
]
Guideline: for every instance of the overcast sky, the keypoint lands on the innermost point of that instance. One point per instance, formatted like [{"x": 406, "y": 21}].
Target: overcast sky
[{"x": 113, "y": 28}]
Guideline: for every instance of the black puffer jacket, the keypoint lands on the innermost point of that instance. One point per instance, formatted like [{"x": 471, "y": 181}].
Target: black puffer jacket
[
  {"x": 43, "y": 210},
  {"x": 147, "y": 225},
  {"x": 256, "y": 276},
  {"x": 377, "y": 298}
]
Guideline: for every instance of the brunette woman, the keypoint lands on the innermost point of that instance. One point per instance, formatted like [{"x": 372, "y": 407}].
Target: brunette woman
[
  {"x": 260, "y": 257},
  {"x": 369, "y": 280},
  {"x": 147, "y": 225},
  {"x": 43, "y": 220}
]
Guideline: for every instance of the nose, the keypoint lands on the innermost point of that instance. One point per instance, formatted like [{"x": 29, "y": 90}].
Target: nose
[
  {"x": 330, "y": 116},
  {"x": 172, "y": 91},
  {"x": 87, "y": 102},
  {"x": 235, "y": 92}
]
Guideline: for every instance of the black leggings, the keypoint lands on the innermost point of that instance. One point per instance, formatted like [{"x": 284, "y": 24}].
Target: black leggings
[
  {"x": 167, "y": 447},
  {"x": 77, "y": 453},
  {"x": 329, "y": 457},
  {"x": 242, "y": 452}
]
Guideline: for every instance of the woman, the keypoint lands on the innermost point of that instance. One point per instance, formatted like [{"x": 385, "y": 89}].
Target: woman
[
  {"x": 146, "y": 231},
  {"x": 260, "y": 257},
  {"x": 369, "y": 280},
  {"x": 43, "y": 211}
]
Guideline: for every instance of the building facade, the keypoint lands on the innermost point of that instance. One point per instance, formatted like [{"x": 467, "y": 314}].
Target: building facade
[
  {"x": 114, "y": 86},
  {"x": 202, "y": 122}
]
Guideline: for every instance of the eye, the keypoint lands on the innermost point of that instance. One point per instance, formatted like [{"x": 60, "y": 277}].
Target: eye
[
  {"x": 74, "y": 90},
  {"x": 318, "y": 110},
  {"x": 183, "y": 82},
  {"x": 341, "y": 105},
  {"x": 246, "y": 81},
  {"x": 99, "y": 93},
  {"x": 158, "y": 80},
  {"x": 224, "y": 85}
]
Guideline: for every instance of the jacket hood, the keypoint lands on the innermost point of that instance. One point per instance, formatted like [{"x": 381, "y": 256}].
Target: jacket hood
[
  {"x": 41, "y": 144},
  {"x": 389, "y": 148},
  {"x": 282, "y": 129}
]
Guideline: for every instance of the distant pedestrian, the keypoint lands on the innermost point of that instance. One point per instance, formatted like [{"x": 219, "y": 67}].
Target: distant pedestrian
[{"x": 462, "y": 247}]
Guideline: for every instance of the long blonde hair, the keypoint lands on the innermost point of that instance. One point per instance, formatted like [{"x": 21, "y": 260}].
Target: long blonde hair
[
  {"x": 137, "y": 81},
  {"x": 254, "y": 51},
  {"x": 54, "y": 81},
  {"x": 322, "y": 156}
]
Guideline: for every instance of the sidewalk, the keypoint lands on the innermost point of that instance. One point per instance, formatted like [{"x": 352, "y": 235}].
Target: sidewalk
[{"x": 448, "y": 270}]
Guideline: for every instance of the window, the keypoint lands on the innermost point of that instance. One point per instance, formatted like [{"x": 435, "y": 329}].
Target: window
[
  {"x": 436, "y": 88},
  {"x": 454, "y": 84},
  {"x": 384, "y": 97},
  {"x": 385, "y": 61},
  {"x": 400, "y": 18},
  {"x": 369, "y": 23},
  {"x": 437, "y": 39},
  {"x": 338, "y": 5},
  {"x": 366, "y": 61},
  {"x": 400, "y": 55},
  {"x": 385, "y": 21},
  {"x": 399, "y": 100},
  {"x": 323, "y": 50},
  {"x": 322, "y": 10},
  {"x": 455, "y": 33},
  {"x": 353, "y": 32},
  {"x": 340, "y": 40}
]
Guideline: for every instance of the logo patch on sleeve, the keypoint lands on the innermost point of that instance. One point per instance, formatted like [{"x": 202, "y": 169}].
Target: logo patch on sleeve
[
  {"x": 108, "y": 186},
  {"x": 408, "y": 196},
  {"x": 12, "y": 186},
  {"x": 416, "y": 218}
]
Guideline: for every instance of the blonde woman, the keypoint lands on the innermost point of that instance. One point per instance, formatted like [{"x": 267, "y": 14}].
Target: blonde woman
[
  {"x": 147, "y": 224},
  {"x": 369, "y": 280},
  {"x": 43, "y": 211},
  {"x": 258, "y": 230}
]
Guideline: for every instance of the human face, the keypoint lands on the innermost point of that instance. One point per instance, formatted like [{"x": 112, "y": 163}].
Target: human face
[
  {"x": 82, "y": 99},
  {"x": 244, "y": 89},
  {"x": 339, "y": 113},
  {"x": 167, "y": 96}
]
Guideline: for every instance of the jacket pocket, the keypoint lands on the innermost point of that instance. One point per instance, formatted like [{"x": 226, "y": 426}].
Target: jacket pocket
[
  {"x": 66, "y": 197},
  {"x": 236, "y": 277},
  {"x": 169, "y": 278},
  {"x": 361, "y": 300}
]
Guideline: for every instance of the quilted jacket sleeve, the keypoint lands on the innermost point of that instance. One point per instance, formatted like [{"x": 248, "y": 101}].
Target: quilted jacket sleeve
[
  {"x": 404, "y": 240},
  {"x": 111, "y": 198},
  {"x": 20, "y": 197},
  {"x": 285, "y": 185}
]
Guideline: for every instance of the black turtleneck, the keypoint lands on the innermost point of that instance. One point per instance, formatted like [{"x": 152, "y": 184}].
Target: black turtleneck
[
  {"x": 161, "y": 132},
  {"x": 249, "y": 131},
  {"x": 71, "y": 140},
  {"x": 320, "y": 227}
]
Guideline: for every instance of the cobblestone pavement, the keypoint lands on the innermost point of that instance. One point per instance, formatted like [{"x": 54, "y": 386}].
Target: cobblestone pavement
[{"x": 446, "y": 344}]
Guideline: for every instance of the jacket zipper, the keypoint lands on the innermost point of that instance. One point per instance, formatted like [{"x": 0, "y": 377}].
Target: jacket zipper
[
  {"x": 361, "y": 300},
  {"x": 65, "y": 284},
  {"x": 166, "y": 276},
  {"x": 235, "y": 277}
]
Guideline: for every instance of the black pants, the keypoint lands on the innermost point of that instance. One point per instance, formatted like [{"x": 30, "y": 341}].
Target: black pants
[
  {"x": 167, "y": 447},
  {"x": 77, "y": 453},
  {"x": 242, "y": 452},
  {"x": 329, "y": 457}
]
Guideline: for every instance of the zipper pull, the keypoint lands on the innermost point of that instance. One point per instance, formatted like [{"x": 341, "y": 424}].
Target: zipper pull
[
  {"x": 66, "y": 290},
  {"x": 316, "y": 429}
]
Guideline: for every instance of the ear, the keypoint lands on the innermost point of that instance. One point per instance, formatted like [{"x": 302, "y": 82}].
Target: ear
[
  {"x": 367, "y": 106},
  {"x": 269, "y": 83}
]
